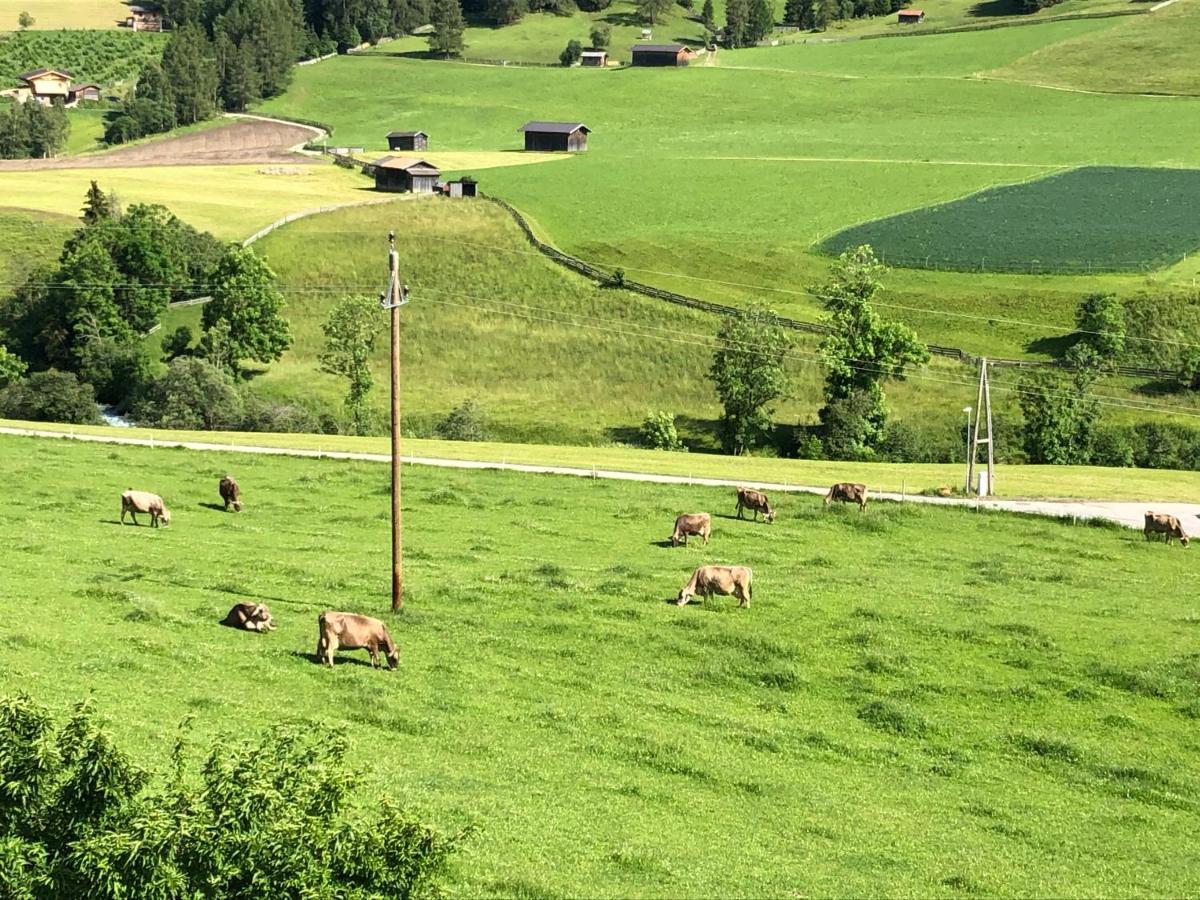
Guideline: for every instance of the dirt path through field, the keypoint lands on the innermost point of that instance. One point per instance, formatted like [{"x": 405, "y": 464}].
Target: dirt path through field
[
  {"x": 1123, "y": 513},
  {"x": 244, "y": 139}
]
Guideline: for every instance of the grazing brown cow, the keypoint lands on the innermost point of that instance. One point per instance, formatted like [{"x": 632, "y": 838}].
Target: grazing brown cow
[
  {"x": 756, "y": 501},
  {"x": 134, "y": 502},
  {"x": 231, "y": 493},
  {"x": 1162, "y": 523},
  {"x": 250, "y": 617},
  {"x": 709, "y": 580},
  {"x": 352, "y": 632},
  {"x": 699, "y": 524},
  {"x": 848, "y": 492}
]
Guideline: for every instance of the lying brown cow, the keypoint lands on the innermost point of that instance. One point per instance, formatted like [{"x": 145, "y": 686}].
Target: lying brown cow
[
  {"x": 250, "y": 617},
  {"x": 134, "y": 502},
  {"x": 1162, "y": 523},
  {"x": 699, "y": 524},
  {"x": 352, "y": 632},
  {"x": 230, "y": 493},
  {"x": 756, "y": 501},
  {"x": 709, "y": 580},
  {"x": 848, "y": 492}
]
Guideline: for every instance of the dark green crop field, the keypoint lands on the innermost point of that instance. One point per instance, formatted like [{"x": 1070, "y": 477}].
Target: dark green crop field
[
  {"x": 919, "y": 702},
  {"x": 1091, "y": 219}
]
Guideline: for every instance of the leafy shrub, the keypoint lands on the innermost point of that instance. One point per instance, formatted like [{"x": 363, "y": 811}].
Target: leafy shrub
[
  {"x": 658, "y": 432},
  {"x": 50, "y": 396},
  {"x": 178, "y": 343},
  {"x": 466, "y": 422},
  {"x": 192, "y": 394},
  {"x": 571, "y": 53},
  {"x": 264, "y": 819}
]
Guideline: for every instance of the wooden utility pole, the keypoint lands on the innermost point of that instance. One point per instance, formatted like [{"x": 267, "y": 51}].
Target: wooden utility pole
[
  {"x": 983, "y": 412},
  {"x": 396, "y": 296}
]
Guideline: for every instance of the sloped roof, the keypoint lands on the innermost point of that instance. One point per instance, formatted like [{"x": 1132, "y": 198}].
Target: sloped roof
[
  {"x": 659, "y": 48},
  {"x": 406, "y": 164},
  {"x": 38, "y": 73},
  {"x": 406, "y": 133},
  {"x": 555, "y": 127}
]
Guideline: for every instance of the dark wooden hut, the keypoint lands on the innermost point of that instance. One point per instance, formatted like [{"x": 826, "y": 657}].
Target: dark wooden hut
[
  {"x": 571, "y": 137},
  {"x": 408, "y": 140},
  {"x": 405, "y": 176},
  {"x": 910, "y": 16},
  {"x": 661, "y": 54},
  {"x": 463, "y": 187}
]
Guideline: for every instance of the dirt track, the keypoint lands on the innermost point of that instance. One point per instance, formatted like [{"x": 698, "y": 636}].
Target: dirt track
[{"x": 242, "y": 140}]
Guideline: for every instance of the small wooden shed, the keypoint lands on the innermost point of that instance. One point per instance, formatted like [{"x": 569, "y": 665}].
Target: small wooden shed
[
  {"x": 594, "y": 58},
  {"x": 408, "y": 140},
  {"x": 404, "y": 175},
  {"x": 910, "y": 16},
  {"x": 661, "y": 54},
  {"x": 571, "y": 137},
  {"x": 463, "y": 187}
]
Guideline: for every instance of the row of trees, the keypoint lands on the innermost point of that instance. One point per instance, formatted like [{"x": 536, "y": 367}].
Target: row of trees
[
  {"x": 85, "y": 315},
  {"x": 816, "y": 15},
  {"x": 32, "y": 131}
]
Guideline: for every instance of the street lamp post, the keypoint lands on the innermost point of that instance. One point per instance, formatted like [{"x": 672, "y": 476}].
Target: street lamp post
[{"x": 967, "y": 481}]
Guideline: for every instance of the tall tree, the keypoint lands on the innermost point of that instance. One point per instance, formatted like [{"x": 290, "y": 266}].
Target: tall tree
[
  {"x": 1100, "y": 319},
  {"x": 737, "y": 23},
  {"x": 351, "y": 331},
  {"x": 244, "y": 296},
  {"x": 98, "y": 206},
  {"x": 1060, "y": 416},
  {"x": 793, "y": 12},
  {"x": 762, "y": 20},
  {"x": 749, "y": 375},
  {"x": 448, "y": 25},
  {"x": 708, "y": 16},
  {"x": 240, "y": 82},
  {"x": 189, "y": 65},
  {"x": 861, "y": 350},
  {"x": 650, "y": 11},
  {"x": 85, "y": 294}
]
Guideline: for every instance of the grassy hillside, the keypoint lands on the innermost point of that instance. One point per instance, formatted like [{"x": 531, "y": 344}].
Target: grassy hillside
[
  {"x": 1012, "y": 482},
  {"x": 977, "y": 716},
  {"x": 102, "y": 57},
  {"x": 230, "y": 201},
  {"x": 56, "y": 14},
  {"x": 733, "y": 173},
  {"x": 28, "y": 236},
  {"x": 1148, "y": 54}
]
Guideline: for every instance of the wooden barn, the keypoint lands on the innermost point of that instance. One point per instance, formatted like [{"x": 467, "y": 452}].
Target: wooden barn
[
  {"x": 408, "y": 140},
  {"x": 145, "y": 17},
  {"x": 910, "y": 16},
  {"x": 463, "y": 187},
  {"x": 404, "y": 175},
  {"x": 571, "y": 137},
  {"x": 594, "y": 58},
  {"x": 661, "y": 54}
]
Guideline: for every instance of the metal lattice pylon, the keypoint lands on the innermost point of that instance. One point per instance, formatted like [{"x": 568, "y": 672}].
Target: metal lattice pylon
[{"x": 983, "y": 409}]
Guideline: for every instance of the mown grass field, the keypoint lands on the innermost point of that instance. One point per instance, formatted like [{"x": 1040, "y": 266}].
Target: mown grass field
[
  {"x": 230, "y": 201},
  {"x": 724, "y": 184},
  {"x": 1012, "y": 482},
  {"x": 27, "y": 237},
  {"x": 1114, "y": 59},
  {"x": 1088, "y": 219},
  {"x": 56, "y": 14},
  {"x": 1008, "y": 706}
]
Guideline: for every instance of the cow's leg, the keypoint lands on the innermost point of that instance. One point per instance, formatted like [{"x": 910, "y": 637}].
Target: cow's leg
[
  {"x": 706, "y": 539},
  {"x": 739, "y": 509},
  {"x": 373, "y": 649},
  {"x": 331, "y": 645}
]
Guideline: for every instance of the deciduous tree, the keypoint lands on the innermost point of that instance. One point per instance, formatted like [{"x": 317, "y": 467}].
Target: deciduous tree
[
  {"x": 650, "y": 11},
  {"x": 245, "y": 297},
  {"x": 351, "y": 330},
  {"x": 1060, "y": 416},
  {"x": 749, "y": 375}
]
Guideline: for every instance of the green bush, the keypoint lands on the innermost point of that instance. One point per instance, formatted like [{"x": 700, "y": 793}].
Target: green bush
[
  {"x": 263, "y": 819},
  {"x": 658, "y": 432},
  {"x": 50, "y": 396},
  {"x": 191, "y": 394},
  {"x": 466, "y": 422}
]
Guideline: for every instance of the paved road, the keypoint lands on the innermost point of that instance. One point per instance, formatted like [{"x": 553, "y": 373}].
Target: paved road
[{"x": 1128, "y": 514}]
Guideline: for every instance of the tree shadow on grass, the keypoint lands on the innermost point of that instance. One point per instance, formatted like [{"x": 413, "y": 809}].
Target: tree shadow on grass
[
  {"x": 1052, "y": 345},
  {"x": 992, "y": 8},
  {"x": 1162, "y": 387}
]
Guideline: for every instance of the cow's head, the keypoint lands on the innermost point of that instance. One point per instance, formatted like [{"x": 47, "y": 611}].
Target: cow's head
[
  {"x": 1183, "y": 540},
  {"x": 770, "y": 516},
  {"x": 393, "y": 657},
  {"x": 165, "y": 518},
  {"x": 682, "y": 599},
  {"x": 237, "y": 505}
]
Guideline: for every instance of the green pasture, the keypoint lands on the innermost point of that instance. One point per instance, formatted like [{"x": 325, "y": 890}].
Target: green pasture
[
  {"x": 1012, "y": 481},
  {"x": 1088, "y": 219},
  {"x": 722, "y": 186},
  {"x": 87, "y": 130},
  {"x": 1115, "y": 59},
  {"x": 27, "y": 238},
  {"x": 918, "y": 702},
  {"x": 230, "y": 201}
]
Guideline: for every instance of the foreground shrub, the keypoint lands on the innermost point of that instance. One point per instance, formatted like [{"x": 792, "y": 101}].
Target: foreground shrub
[
  {"x": 191, "y": 394},
  {"x": 50, "y": 396},
  {"x": 466, "y": 422},
  {"x": 658, "y": 432},
  {"x": 264, "y": 819}
]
